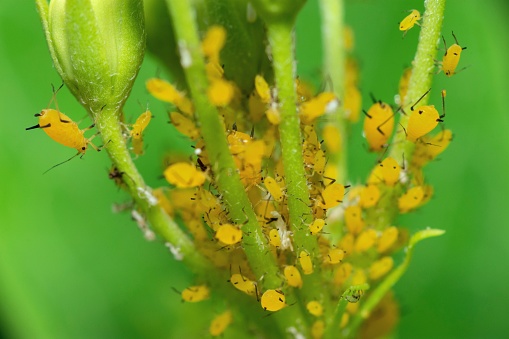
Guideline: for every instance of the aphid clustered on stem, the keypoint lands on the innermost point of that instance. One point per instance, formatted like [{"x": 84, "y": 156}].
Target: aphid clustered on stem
[{"x": 262, "y": 218}]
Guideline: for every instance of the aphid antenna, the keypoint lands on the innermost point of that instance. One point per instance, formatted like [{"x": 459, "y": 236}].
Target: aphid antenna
[
  {"x": 422, "y": 97},
  {"x": 63, "y": 162}
]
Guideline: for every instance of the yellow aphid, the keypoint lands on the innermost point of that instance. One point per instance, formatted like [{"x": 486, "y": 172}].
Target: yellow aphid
[
  {"x": 369, "y": 196},
  {"x": 387, "y": 239},
  {"x": 332, "y": 195},
  {"x": 274, "y": 238},
  {"x": 342, "y": 273},
  {"x": 389, "y": 170},
  {"x": 352, "y": 72},
  {"x": 352, "y": 308},
  {"x": 348, "y": 38},
  {"x": 353, "y": 102},
  {"x": 332, "y": 138},
  {"x": 316, "y": 226},
  {"x": 378, "y": 125},
  {"x": 347, "y": 243},
  {"x": 359, "y": 278},
  {"x": 430, "y": 148},
  {"x": 184, "y": 125},
  {"x": 380, "y": 268},
  {"x": 365, "y": 240},
  {"x": 220, "y": 92},
  {"x": 262, "y": 89},
  {"x": 353, "y": 219},
  {"x": 140, "y": 124},
  {"x": 137, "y": 146},
  {"x": 320, "y": 162},
  {"x": 451, "y": 57},
  {"x": 163, "y": 90},
  {"x": 335, "y": 256},
  {"x": 403, "y": 85},
  {"x": 293, "y": 277},
  {"x": 273, "y": 188},
  {"x": 220, "y": 323},
  {"x": 273, "y": 115},
  {"x": 323, "y": 103},
  {"x": 305, "y": 262},
  {"x": 410, "y": 20},
  {"x": 63, "y": 130},
  {"x": 184, "y": 175},
  {"x": 423, "y": 119},
  {"x": 195, "y": 294},
  {"x": 228, "y": 234},
  {"x": 317, "y": 329},
  {"x": 214, "y": 70},
  {"x": 411, "y": 199},
  {"x": 213, "y": 42},
  {"x": 243, "y": 284},
  {"x": 315, "y": 308},
  {"x": 273, "y": 300}
]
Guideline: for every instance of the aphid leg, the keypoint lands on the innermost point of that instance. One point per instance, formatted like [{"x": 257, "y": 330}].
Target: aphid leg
[
  {"x": 422, "y": 97},
  {"x": 383, "y": 123}
]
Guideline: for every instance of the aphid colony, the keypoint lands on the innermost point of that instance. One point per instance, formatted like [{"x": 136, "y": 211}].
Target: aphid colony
[{"x": 362, "y": 255}]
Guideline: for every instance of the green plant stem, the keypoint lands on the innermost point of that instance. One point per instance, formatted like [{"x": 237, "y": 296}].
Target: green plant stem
[
  {"x": 420, "y": 81},
  {"x": 108, "y": 124},
  {"x": 223, "y": 166},
  {"x": 381, "y": 290},
  {"x": 423, "y": 71},
  {"x": 333, "y": 326},
  {"x": 332, "y": 15}
]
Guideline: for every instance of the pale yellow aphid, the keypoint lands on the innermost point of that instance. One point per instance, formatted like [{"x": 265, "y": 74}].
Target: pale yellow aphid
[
  {"x": 317, "y": 329},
  {"x": 332, "y": 195},
  {"x": 451, "y": 57},
  {"x": 320, "y": 162},
  {"x": 305, "y": 262},
  {"x": 220, "y": 323},
  {"x": 332, "y": 138},
  {"x": 213, "y": 42},
  {"x": 410, "y": 20},
  {"x": 262, "y": 89},
  {"x": 342, "y": 273},
  {"x": 403, "y": 85},
  {"x": 353, "y": 103},
  {"x": 335, "y": 256},
  {"x": 345, "y": 318},
  {"x": 274, "y": 238},
  {"x": 380, "y": 268},
  {"x": 411, "y": 199},
  {"x": 378, "y": 125},
  {"x": 164, "y": 91},
  {"x": 140, "y": 124},
  {"x": 184, "y": 175},
  {"x": 228, "y": 234},
  {"x": 316, "y": 226},
  {"x": 387, "y": 239},
  {"x": 430, "y": 148},
  {"x": 369, "y": 196},
  {"x": 137, "y": 144},
  {"x": 273, "y": 300},
  {"x": 293, "y": 277},
  {"x": 347, "y": 242},
  {"x": 365, "y": 240},
  {"x": 315, "y": 308},
  {"x": 273, "y": 115},
  {"x": 359, "y": 277},
  {"x": 243, "y": 284},
  {"x": 220, "y": 92},
  {"x": 315, "y": 107},
  {"x": 353, "y": 219},
  {"x": 423, "y": 119},
  {"x": 195, "y": 294},
  {"x": 273, "y": 188},
  {"x": 214, "y": 70},
  {"x": 387, "y": 172},
  {"x": 184, "y": 125}
]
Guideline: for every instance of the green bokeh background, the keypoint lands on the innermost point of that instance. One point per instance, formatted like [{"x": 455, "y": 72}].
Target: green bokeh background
[{"x": 70, "y": 268}]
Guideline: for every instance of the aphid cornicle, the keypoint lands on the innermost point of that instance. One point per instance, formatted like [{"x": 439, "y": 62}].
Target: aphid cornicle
[
  {"x": 424, "y": 119},
  {"x": 451, "y": 57}
]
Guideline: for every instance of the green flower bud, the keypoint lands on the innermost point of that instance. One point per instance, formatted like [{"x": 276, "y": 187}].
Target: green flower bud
[
  {"x": 278, "y": 10},
  {"x": 97, "y": 46}
]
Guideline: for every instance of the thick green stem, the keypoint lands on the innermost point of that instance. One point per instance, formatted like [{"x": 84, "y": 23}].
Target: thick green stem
[
  {"x": 381, "y": 290},
  {"x": 422, "y": 71},
  {"x": 223, "y": 166},
  {"x": 332, "y": 14}
]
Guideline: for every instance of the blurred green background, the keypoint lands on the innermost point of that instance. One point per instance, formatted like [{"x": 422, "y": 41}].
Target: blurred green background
[{"x": 70, "y": 268}]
